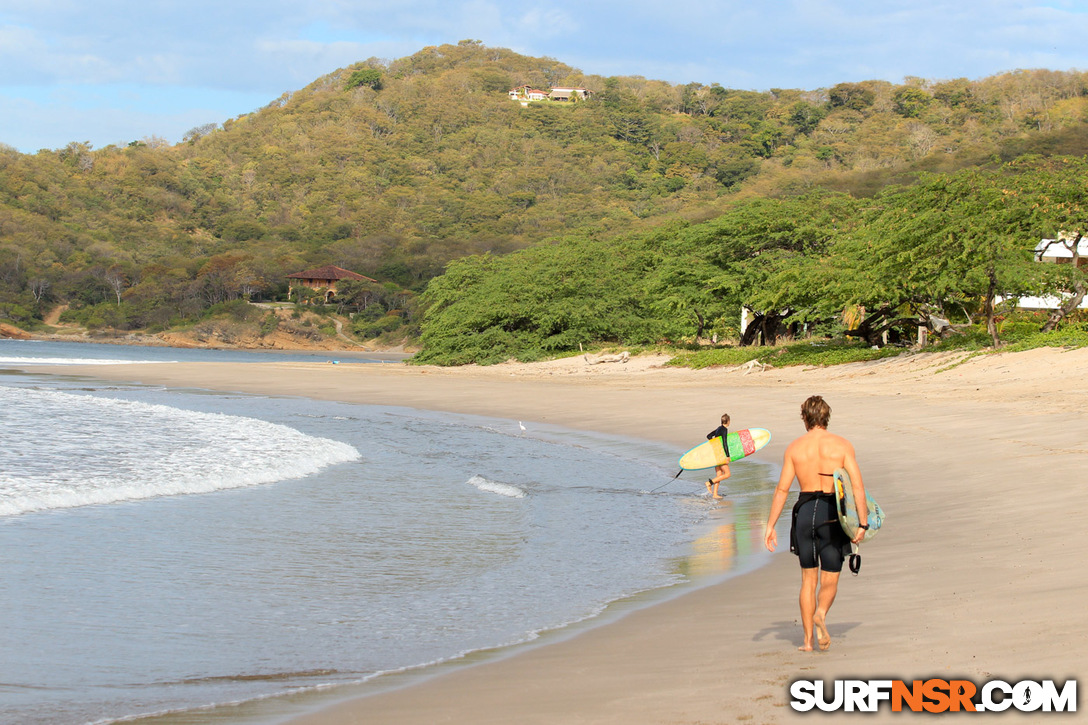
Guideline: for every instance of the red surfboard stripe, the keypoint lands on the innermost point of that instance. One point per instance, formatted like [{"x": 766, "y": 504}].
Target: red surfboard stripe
[{"x": 747, "y": 442}]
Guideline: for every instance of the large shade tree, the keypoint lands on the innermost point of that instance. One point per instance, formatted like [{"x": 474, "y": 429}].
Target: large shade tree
[
  {"x": 771, "y": 258},
  {"x": 1058, "y": 197},
  {"x": 950, "y": 239}
]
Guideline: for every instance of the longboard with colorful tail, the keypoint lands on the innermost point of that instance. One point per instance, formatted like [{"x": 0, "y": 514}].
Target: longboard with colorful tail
[{"x": 718, "y": 450}]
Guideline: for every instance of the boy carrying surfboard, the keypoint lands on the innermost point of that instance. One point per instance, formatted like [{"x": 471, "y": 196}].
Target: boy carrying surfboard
[{"x": 721, "y": 472}]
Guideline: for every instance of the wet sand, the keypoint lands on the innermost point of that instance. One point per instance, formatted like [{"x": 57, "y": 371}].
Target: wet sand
[{"x": 978, "y": 574}]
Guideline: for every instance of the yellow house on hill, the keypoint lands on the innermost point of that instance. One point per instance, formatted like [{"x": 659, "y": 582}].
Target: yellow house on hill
[{"x": 323, "y": 279}]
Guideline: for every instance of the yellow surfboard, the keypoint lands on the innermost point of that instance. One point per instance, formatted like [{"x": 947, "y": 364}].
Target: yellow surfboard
[{"x": 716, "y": 451}]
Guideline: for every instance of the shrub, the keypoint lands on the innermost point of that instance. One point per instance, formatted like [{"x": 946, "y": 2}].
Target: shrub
[
  {"x": 819, "y": 353},
  {"x": 269, "y": 324},
  {"x": 369, "y": 77},
  {"x": 368, "y": 329}
]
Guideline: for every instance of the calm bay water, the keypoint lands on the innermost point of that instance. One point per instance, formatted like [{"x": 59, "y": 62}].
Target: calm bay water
[{"x": 170, "y": 550}]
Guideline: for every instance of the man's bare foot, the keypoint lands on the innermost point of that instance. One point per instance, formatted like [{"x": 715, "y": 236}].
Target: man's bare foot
[
  {"x": 823, "y": 637},
  {"x": 805, "y": 648},
  {"x": 709, "y": 486},
  {"x": 716, "y": 496}
]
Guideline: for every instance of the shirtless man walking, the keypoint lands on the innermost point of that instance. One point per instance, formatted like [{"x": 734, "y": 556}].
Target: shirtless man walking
[{"x": 816, "y": 536}]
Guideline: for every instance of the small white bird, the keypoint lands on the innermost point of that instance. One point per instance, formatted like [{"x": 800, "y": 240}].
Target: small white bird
[{"x": 522, "y": 426}]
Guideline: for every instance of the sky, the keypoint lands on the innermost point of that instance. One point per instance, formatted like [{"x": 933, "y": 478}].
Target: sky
[{"x": 114, "y": 71}]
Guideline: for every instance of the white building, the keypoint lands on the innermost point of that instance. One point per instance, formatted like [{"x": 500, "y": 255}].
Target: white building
[
  {"x": 568, "y": 94},
  {"x": 527, "y": 93},
  {"x": 1056, "y": 251}
]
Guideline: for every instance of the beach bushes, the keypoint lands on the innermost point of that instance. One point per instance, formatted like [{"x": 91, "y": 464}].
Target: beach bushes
[
  {"x": 542, "y": 301},
  {"x": 371, "y": 328},
  {"x": 1028, "y": 336},
  {"x": 815, "y": 353},
  {"x": 1020, "y": 331},
  {"x": 105, "y": 314},
  {"x": 269, "y": 323},
  {"x": 1021, "y": 335}
]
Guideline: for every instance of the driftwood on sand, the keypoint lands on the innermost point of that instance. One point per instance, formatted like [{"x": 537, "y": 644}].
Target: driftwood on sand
[
  {"x": 752, "y": 365},
  {"x": 622, "y": 357}
]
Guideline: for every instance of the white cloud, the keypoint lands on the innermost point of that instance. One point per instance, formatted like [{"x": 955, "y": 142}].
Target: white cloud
[
  {"x": 546, "y": 22},
  {"x": 15, "y": 40}
]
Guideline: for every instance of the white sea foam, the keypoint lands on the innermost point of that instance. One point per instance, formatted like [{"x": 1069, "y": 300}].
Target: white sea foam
[
  {"x": 105, "y": 450},
  {"x": 15, "y": 361},
  {"x": 502, "y": 489}
]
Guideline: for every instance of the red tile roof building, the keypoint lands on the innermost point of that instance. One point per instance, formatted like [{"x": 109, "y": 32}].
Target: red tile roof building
[{"x": 323, "y": 279}]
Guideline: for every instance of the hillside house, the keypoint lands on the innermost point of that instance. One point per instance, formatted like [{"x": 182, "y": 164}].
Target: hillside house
[
  {"x": 569, "y": 94},
  {"x": 525, "y": 94},
  {"x": 1054, "y": 251},
  {"x": 528, "y": 93},
  {"x": 323, "y": 279}
]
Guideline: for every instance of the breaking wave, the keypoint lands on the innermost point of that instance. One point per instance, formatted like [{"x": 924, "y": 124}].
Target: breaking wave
[
  {"x": 106, "y": 450},
  {"x": 502, "y": 489}
]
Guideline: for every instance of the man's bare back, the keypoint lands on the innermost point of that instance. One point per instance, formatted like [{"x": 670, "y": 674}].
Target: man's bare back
[
  {"x": 812, "y": 460},
  {"x": 819, "y": 452}
]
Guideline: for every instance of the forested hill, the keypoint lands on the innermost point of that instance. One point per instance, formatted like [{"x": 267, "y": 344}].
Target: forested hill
[{"x": 394, "y": 168}]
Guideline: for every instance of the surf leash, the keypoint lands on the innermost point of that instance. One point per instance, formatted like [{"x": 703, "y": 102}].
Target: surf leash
[
  {"x": 855, "y": 559},
  {"x": 668, "y": 482}
]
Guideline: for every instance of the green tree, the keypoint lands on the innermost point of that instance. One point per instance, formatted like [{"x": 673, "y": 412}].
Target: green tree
[
  {"x": 538, "y": 301},
  {"x": 910, "y": 102},
  {"x": 677, "y": 282},
  {"x": 850, "y": 95},
  {"x": 771, "y": 256},
  {"x": 1058, "y": 201},
  {"x": 440, "y": 165},
  {"x": 951, "y": 237},
  {"x": 369, "y": 77},
  {"x": 806, "y": 117}
]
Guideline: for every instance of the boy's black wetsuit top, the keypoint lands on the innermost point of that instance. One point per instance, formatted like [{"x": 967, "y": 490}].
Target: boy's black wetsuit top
[
  {"x": 721, "y": 430},
  {"x": 815, "y": 535}
]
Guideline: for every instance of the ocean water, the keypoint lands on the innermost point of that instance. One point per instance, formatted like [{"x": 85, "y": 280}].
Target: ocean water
[
  {"x": 170, "y": 551},
  {"x": 39, "y": 352}
]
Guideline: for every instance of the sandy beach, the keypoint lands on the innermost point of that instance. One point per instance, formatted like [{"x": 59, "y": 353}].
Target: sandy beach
[{"x": 977, "y": 575}]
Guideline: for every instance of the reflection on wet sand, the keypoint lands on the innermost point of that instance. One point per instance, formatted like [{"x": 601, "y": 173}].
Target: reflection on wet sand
[{"x": 735, "y": 535}]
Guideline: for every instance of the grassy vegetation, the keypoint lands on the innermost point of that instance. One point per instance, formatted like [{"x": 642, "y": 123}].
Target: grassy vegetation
[
  {"x": 804, "y": 352},
  {"x": 1069, "y": 337},
  {"x": 1020, "y": 334}
]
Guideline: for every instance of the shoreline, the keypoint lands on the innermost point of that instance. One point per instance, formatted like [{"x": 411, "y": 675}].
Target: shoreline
[
  {"x": 139, "y": 339},
  {"x": 974, "y": 465}
]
